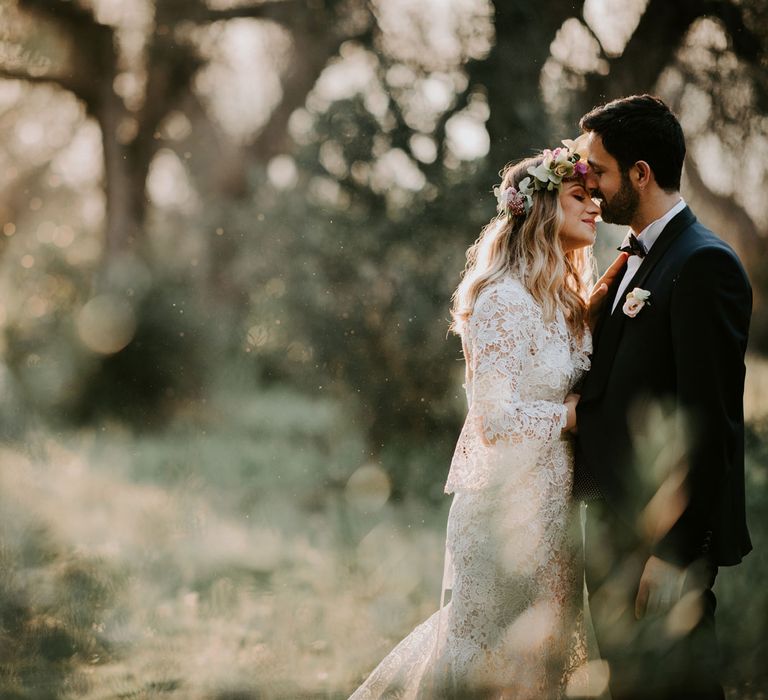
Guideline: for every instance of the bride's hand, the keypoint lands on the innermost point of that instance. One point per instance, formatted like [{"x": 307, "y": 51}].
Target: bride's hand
[
  {"x": 597, "y": 295},
  {"x": 570, "y": 402}
]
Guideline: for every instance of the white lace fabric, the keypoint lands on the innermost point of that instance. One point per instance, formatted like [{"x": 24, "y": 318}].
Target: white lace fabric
[
  {"x": 512, "y": 627},
  {"x": 519, "y": 370}
]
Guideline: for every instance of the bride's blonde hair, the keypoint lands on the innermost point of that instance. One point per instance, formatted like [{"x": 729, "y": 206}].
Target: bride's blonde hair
[{"x": 531, "y": 246}]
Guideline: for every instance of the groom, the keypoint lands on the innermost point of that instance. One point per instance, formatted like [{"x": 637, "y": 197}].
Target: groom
[{"x": 660, "y": 444}]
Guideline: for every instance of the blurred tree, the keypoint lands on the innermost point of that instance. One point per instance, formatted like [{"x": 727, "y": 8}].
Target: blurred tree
[
  {"x": 320, "y": 239},
  {"x": 374, "y": 232},
  {"x": 518, "y": 123},
  {"x": 132, "y": 69},
  {"x": 707, "y": 59},
  {"x": 96, "y": 73},
  {"x": 331, "y": 233}
]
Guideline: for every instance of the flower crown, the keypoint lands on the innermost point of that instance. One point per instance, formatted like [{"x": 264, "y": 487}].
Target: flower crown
[{"x": 557, "y": 165}]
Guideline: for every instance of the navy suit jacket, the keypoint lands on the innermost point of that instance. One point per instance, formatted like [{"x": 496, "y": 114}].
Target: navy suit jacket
[{"x": 682, "y": 358}]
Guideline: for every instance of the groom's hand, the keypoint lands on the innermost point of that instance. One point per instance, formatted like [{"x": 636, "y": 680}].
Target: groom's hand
[
  {"x": 597, "y": 295},
  {"x": 661, "y": 586}
]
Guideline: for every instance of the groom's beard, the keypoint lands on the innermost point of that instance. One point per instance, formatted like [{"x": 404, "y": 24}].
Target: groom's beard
[{"x": 621, "y": 208}]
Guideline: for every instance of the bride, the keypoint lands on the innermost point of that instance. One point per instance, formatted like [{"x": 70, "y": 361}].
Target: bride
[{"x": 509, "y": 621}]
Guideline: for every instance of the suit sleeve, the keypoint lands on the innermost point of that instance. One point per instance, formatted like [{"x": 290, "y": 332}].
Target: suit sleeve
[{"x": 710, "y": 311}]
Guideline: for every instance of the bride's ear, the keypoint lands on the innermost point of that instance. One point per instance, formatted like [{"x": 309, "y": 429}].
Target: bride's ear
[{"x": 643, "y": 174}]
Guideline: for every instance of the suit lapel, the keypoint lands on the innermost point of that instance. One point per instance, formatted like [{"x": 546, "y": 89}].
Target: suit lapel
[
  {"x": 671, "y": 231},
  {"x": 612, "y": 324}
]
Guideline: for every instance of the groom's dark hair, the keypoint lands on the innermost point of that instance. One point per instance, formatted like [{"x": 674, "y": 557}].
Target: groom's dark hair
[{"x": 641, "y": 127}]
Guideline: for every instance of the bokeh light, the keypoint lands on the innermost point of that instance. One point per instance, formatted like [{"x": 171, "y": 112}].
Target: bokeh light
[{"x": 106, "y": 324}]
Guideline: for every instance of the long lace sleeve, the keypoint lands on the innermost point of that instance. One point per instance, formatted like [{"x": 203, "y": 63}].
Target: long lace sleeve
[
  {"x": 515, "y": 379},
  {"x": 502, "y": 345}
]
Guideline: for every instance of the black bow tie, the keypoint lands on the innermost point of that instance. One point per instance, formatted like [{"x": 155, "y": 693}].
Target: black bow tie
[{"x": 633, "y": 245}]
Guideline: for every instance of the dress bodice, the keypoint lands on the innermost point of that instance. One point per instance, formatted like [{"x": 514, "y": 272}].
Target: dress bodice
[{"x": 519, "y": 368}]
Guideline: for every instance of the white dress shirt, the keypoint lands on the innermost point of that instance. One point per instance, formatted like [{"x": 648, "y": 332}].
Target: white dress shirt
[{"x": 648, "y": 237}]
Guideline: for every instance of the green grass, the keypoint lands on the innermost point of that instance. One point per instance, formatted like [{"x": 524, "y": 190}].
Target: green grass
[
  {"x": 235, "y": 556},
  {"x": 223, "y": 556}
]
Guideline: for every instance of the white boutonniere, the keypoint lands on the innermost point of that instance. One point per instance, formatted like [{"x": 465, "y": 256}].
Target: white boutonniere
[{"x": 635, "y": 301}]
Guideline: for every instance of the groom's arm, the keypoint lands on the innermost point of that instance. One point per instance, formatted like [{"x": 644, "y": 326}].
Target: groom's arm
[{"x": 710, "y": 311}]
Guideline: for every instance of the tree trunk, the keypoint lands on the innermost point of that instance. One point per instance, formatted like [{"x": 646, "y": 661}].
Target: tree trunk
[
  {"x": 91, "y": 77},
  {"x": 124, "y": 185},
  {"x": 518, "y": 123}
]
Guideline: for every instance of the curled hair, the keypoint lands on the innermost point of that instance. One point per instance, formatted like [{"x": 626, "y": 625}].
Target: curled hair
[{"x": 529, "y": 245}]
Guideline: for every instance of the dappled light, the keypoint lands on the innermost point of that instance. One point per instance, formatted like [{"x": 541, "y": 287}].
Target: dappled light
[
  {"x": 106, "y": 324},
  {"x": 167, "y": 183},
  {"x": 613, "y": 21},
  {"x": 282, "y": 172},
  {"x": 368, "y": 488},
  {"x": 435, "y": 35},
  {"x": 229, "y": 235},
  {"x": 236, "y": 52},
  {"x": 589, "y": 681}
]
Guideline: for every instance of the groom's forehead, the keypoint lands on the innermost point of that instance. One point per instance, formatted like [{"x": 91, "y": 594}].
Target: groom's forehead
[{"x": 598, "y": 156}]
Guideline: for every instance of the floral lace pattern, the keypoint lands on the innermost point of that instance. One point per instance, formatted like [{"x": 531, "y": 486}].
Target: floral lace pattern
[
  {"x": 519, "y": 369},
  {"x": 512, "y": 627}
]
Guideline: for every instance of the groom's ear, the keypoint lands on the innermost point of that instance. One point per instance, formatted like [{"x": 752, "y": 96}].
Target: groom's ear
[{"x": 643, "y": 175}]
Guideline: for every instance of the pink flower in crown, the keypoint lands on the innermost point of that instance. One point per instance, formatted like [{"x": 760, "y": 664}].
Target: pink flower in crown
[
  {"x": 580, "y": 168},
  {"x": 512, "y": 201},
  {"x": 516, "y": 203}
]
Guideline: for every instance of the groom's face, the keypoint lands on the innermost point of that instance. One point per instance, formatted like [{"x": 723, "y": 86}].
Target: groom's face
[{"x": 607, "y": 182}]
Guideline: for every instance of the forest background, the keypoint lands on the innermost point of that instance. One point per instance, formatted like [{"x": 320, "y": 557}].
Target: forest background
[{"x": 230, "y": 233}]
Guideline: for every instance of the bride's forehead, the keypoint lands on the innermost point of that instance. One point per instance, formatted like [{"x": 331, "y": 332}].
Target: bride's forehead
[{"x": 572, "y": 185}]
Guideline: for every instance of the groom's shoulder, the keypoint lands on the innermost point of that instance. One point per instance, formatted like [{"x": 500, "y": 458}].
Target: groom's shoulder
[
  {"x": 698, "y": 241},
  {"x": 704, "y": 254}
]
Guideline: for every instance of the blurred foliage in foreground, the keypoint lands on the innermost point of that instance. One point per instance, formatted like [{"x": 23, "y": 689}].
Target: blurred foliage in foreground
[
  {"x": 249, "y": 551},
  {"x": 231, "y": 554}
]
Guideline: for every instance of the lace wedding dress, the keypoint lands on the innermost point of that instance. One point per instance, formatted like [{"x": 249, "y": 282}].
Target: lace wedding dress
[{"x": 511, "y": 627}]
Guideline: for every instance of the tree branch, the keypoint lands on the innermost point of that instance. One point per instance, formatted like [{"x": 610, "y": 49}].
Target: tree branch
[
  {"x": 651, "y": 48},
  {"x": 12, "y": 74},
  {"x": 722, "y": 214},
  {"x": 281, "y": 11},
  {"x": 518, "y": 123},
  {"x": 308, "y": 62},
  {"x": 92, "y": 46},
  {"x": 170, "y": 70},
  {"x": 59, "y": 10},
  {"x": 743, "y": 233},
  {"x": 654, "y": 44},
  {"x": 746, "y": 45}
]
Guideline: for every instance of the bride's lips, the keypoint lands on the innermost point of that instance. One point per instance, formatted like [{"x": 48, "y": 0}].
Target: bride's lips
[{"x": 591, "y": 222}]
